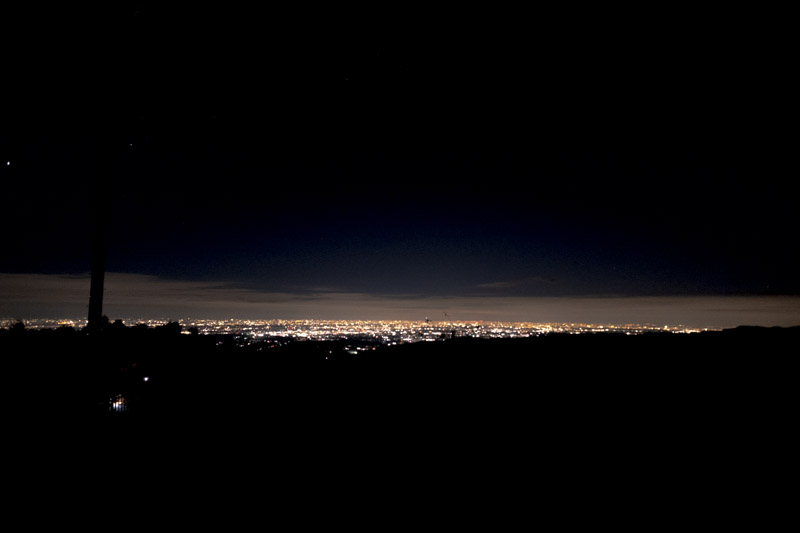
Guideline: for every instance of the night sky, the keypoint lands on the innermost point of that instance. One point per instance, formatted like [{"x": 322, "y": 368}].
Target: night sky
[{"x": 401, "y": 165}]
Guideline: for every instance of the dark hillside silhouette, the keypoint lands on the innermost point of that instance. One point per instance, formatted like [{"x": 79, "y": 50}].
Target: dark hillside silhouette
[
  {"x": 162, "y": 374},
  {"x": 707, "y": 415}
]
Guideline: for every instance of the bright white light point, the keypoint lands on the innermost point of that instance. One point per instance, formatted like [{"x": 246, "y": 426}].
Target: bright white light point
[
  {"x": 8, "y": 163},
  {"x": 146, "y": 378}
]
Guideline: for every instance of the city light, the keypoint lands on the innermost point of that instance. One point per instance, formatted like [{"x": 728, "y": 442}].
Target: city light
[{"x": 388, "y": 332}]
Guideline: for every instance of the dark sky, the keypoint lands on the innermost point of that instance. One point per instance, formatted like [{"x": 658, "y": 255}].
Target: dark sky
[{"x": 399, "y": 155}]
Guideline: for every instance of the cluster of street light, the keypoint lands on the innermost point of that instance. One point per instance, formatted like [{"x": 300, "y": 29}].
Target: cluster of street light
[{"x": 374, "y": 331}]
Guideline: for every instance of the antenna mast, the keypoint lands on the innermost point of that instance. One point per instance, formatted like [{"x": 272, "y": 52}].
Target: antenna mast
[{"x": 100, "y": 189}]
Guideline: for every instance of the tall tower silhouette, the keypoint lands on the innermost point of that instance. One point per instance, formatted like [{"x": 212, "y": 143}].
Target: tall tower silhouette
[{"x": 100, "y": 185}]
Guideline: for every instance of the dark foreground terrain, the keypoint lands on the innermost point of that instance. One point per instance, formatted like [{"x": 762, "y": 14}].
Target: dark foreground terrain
[
  {"x": 148, "y": 376},
  {"x": 663, "y": 425}
]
